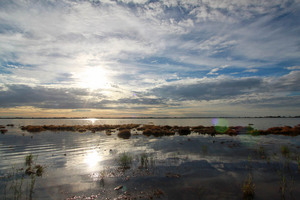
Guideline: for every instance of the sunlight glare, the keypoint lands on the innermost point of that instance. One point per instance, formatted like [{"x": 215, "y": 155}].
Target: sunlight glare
[
  {"x": 92, "y": 158},
  {"x": 94, "y": 78},
  {"x": 92, "y": 120}
]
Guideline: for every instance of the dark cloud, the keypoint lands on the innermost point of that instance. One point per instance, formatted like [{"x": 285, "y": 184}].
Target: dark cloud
[
  {"x": 140, "y": 101},
  {"x": 287, "y": 83},
  {"x": 42, "y": 97},
  {"x": 254, "y": 91},
  {"x": 270, "y": 102},
  {"x": 67, "y": 98},
  {"x": 210, "y": 90}
]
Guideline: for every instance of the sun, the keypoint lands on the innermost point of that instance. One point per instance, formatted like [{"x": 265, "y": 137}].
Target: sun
[{"x": 93, "y": 78}]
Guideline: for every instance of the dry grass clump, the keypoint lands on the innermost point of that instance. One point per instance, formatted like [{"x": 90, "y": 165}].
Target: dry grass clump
[
  {"x": 125, "y": 134},
  {"x": 167, "y": 130},
  {"x": 184, "y": 130},
  {"x": 31, "y": 128},
  {"x": 79, "y": 128},
  {"x": 157, "y": 131},
  {"x": 3, "y": 131},
  {"x": 232, "y": 131},
  {"x": 128, "y": 126},
  {"x": 285, "y": 130},
  {"x": 248, "y": 188},
  {"x": 210, "y": 130}
]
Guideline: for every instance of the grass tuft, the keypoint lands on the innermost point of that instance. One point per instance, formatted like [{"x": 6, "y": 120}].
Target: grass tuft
[
  {"x": 285, "y": 151},
  {"x": 248, "y": 188},
  {"x": 144, "y": 160},
  {"x": 125, "y": 160},
  {"x": 29, "y": 160}
]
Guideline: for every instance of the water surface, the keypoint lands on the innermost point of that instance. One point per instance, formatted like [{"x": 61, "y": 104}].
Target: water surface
[{"x": 87, "y": 165}]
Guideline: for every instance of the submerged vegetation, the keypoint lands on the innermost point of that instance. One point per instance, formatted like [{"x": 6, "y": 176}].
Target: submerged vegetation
[
  {"x": 285, "y": 151},
  {"x": 19, "y": 184},
  {"x": 248, "y": 188},
  {"x": 125, "y": 160},
  {"x": 28, "y": 160}
]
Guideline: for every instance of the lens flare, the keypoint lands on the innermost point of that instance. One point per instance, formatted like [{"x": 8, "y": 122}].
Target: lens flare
[{"x": 220, "y": 124}]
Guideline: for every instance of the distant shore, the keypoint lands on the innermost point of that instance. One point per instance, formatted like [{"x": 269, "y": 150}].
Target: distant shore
[{"x": 147, "y": 117}]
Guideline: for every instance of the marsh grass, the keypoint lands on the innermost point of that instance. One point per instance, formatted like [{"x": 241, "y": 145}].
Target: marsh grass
[
  {"x": 29, "y": 160},
  {"x": 125, "y": 160},
  {"x": 204, "y": 149},
  {"x": 39, "y": 170},
  {"x": 32, "y": 184},
  {"x": 248, "y": 188},
  {"x": 286, "y": 179},
  {"x": 14, "y": 182},
  {"x": 285, "y": 151},
  {"x": 283, "y": 187},
  {"x": 261, "y": 152},
  {"x": 15, "y": 185},
  {"x": 144, "y": 160}
]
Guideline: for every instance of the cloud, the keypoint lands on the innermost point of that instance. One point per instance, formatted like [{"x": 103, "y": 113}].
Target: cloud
[
  {"x": 293, "y": 68},
  {"x": 208, "y": 89},
  {"x": 287, "y": 83},
  {"x": 214, "y": 71},
  {"x": 41, "y": 97},
  {"x": 161, "y": 50},
  {"x": 237, "y": 90},
  {"x": 68, "y": 98},
  {"x": 251, "y": 70}
]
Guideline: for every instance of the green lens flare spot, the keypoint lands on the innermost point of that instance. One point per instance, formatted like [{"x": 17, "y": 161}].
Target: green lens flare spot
[{"x": 221, "y": 125}]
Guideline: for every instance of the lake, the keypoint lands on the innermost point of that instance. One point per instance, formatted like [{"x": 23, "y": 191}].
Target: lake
[
  {"x": 104, "y": 166},
  {"x": 258, "y": 123}
]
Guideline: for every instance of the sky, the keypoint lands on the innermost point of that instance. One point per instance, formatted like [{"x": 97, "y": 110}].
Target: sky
[{"x": 149, "y": 58}]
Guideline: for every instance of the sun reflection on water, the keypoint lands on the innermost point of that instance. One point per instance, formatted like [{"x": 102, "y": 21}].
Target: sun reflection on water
[
  {"x": 92, "y": 158},
  {"x": 91, "y": 120}
]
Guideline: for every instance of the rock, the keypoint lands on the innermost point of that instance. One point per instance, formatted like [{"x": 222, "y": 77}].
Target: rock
[
  {"x": 118, "y": 187},
  {"x": 172, "y": 175}
]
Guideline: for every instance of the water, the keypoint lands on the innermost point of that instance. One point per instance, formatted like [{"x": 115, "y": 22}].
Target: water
[
  {"x": 258, "y": 123},
  {"x": 178, "y": 167}
]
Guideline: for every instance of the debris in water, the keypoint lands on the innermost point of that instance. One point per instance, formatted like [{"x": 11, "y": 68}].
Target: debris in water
[{"x": 118, "y": 187}]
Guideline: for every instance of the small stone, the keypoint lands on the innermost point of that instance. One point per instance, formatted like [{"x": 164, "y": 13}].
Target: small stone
[
  {"x": 172, "y": 175},
  {"x": 118, "y": 187}
]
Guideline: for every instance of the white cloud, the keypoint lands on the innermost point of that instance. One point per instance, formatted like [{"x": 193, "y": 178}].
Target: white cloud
[
  {"x": 214, "y": 71},
  {"x": 293, "y": 68},
  {"x": 251, "y": 70}
]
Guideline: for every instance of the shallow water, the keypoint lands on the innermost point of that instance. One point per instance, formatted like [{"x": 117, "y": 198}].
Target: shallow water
[
  {"x": 178, "y": 167},
  {"x": 257, "y": 123}
]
